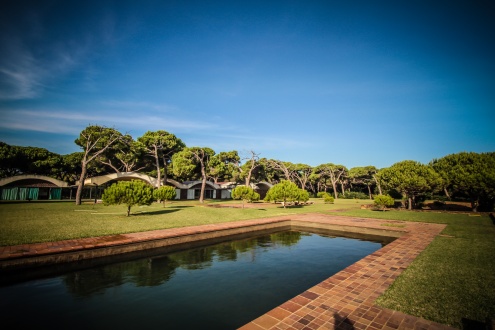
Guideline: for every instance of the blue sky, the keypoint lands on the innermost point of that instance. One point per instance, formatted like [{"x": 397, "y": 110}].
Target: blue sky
[{"x": 349, "y": 82}]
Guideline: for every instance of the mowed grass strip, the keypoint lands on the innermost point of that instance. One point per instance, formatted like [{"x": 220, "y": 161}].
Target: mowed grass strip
[
  {"x": 453, "y": 280},
  {"x": 35, "y": 222}
]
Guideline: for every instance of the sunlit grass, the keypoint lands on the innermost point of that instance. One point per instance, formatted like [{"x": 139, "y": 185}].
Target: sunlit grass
[
  {"x": 34, "y": 222},
  {"x": 454, "y": 277}
]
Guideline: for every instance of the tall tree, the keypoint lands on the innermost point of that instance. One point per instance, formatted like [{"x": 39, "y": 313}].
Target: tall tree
[
  {"x": 71, "y": 167},
  {"x": 250, "y": 165},
  {"x": 265, "y": 172},
  {"x": 332, "y": 172},
  {"x": 94, "y": 140},
  {"x": 470, "y": 173},
  {"x": 301, "y": 174},
  {"x": 410, "y": 178},
  {"x": 124, "y": 156},
  {"x": 363, "y": 175},
  {"x": 188, "y": 160},
  {"x": 283, "y": 167},
  {"x": 224, "y": 165},
  {"x": 16, "y": 160},
  {"x": 11, "y": 160},
  {"x": 161, "y": 145}
]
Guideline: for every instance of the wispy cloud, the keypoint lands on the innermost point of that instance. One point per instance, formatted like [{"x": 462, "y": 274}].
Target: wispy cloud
[
  {"x": 21, "y": 75},
  {"x": 25, "y": 75},
  {"x": 137, "y": 105},
  {"x": 256, "y": 140},
  {"x": 33, "y": 58},
  {"x": 192, "y": 132},
  {"x": 72, "y": 122}
]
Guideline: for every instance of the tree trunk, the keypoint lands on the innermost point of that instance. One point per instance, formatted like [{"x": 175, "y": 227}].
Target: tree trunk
[
  {"x": 203, "y": 185},
  {"x": 378, "y": 185},
  {"x": 165, "y": 170},
  {"x": 409, "y": 200},
  {"x": 109, "y": 163},
  {"x": 446, "y": 193},
  {"x": 369, "y": 191},
  {"x": 474, "y": 204},
  {"x": 128, "y": 210},
  {"x": 334, "y": 185},
  {"x": 158, "y": 174},
  {"x": 248, "y": 179},
  {"x": 80, "y": 185}
]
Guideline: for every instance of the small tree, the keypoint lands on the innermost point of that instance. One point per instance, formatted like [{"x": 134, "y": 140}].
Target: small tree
[
  {"x": 245, "y": 193},
  {"x": 164, "y": 193},
  {"x": 285, "y": 191},
  {"x": 382, "y": 201},
  {"x": 129, "y": 193}
]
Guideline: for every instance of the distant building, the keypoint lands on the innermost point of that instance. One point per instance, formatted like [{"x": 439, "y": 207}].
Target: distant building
[
  {"x": 38, "y": 187},
  {"x": 33, "y": 187}
]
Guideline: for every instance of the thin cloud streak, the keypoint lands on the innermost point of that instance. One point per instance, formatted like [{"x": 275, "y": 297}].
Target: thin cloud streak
[
  {"x": 138, "y": 105},
  {"x": 20, "y": 74},
  {"x": 73, "y": 123}
]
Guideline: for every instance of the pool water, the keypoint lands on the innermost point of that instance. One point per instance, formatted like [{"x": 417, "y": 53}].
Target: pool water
[{"x": 222, "y": 286}]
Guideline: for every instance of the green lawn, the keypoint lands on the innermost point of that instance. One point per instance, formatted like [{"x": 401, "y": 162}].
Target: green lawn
[
  {"x": 454, "y": 278},
  {"x": 35, "y": 222}
]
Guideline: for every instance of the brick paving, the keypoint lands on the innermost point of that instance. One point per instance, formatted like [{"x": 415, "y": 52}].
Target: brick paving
[{"x": 343, "y": 301}]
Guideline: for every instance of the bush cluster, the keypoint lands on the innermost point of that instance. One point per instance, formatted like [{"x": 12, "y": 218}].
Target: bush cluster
[
  {"x": 353, "y": 195},
  {"x": 383, "y": 201},
  {"x": 321, "y": 194},
  {"x": 328, "y": 198}
]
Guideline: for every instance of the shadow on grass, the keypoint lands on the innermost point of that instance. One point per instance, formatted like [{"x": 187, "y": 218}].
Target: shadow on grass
[
  {"x": 164, "y": 211},
  {"x": 474, "y": 325},
  {"x": 179, "y": 207},
  {"x": 292, "y": 206}
]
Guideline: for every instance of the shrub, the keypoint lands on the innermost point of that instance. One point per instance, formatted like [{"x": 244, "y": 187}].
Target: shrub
[
  {"x": 321, "y": 194},
  {"x": 303, "y": 196},
  {"x": 328, "y": 198},
  {"x": 382, "y": 201},
  {"x": 353, "y": 195}
]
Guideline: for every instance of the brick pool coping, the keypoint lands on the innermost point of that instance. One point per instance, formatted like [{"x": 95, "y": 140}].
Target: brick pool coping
[{"x": 343, "y": 301}]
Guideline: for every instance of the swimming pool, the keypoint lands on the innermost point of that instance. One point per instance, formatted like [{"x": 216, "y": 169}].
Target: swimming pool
[{"x": 221, "y": 286}]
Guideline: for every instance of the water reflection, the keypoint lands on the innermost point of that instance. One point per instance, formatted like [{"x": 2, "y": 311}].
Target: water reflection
[
  {"x": 222, "y": 286},
  {"x": 157, "y": 270}
]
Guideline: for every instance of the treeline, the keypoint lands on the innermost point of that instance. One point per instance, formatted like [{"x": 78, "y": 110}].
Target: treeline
[{"x": 462, "y": 176}]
